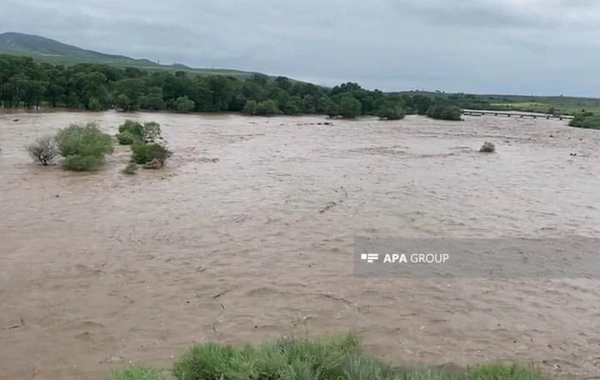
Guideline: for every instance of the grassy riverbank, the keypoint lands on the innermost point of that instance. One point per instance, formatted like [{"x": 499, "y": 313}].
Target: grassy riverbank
[{"x": 342, "y": 357}]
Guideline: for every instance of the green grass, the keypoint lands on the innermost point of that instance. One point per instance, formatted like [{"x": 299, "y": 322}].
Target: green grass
[
  {"x": 587, "y": 122},
  {"x": 339, "y": 358},
  {"x": 139, "y": 373},
  {"x": 524, "y": 106}
]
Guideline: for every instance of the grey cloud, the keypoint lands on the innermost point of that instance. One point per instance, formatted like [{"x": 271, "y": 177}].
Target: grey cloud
[{"x": 508, "y": 46}]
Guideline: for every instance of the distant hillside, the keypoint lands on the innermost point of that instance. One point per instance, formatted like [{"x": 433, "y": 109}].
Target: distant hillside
[{"x": 51, "y": 51}]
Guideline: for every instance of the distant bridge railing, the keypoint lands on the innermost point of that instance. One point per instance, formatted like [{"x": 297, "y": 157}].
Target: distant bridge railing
[{"x": 516, "y": 114}]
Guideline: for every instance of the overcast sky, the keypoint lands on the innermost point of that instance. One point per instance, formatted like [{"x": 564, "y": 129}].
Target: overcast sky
[{"x": 483, "y": 46}]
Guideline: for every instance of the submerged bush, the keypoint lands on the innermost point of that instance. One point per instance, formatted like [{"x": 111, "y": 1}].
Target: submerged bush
[
  {"x": 585, "y": 120},
  {"x": 132, "y": 131},
  {"x": 266, "y": 108},
  {"x": 488, "y": 147},
  {"x": 132, "y": 127},
  {"x": 126, "y": 138},
  {"x": 95, "y": 105},
  {"x": 131, "y": 168},
  {"x": 349, "y": 107},
  {"x": 144, "y": 153},
  {"x": 81, "y": 163},
  {"x": 43, "y": 150},
  {"x": 184, "y": 104},
  {"x": 83, "y": 147},
  {"x": 444, "y": 112},
  {"x": 391, "y": 113},
  {"x": 250, "y": 107}
]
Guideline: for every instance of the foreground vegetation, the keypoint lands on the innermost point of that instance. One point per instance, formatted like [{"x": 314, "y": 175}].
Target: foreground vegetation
[
  {"x": 96, "y": 87},
  {"x": 340, "y": 358},
  {"x": 84, "y": 147}
]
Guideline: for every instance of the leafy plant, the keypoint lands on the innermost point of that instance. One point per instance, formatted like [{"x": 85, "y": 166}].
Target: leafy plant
[
  {"x": 132, "y": 131},
  {"x": 391, "y": 113},
  {"x": 133, "y": 127},
  {"x": 349, "y": 107},
  {"x": 78, "y": 162},
  {"x": 144, "y": 153},
  {"x": 184, "y": 104},
  {"x": 444, "y": 112},
  {"x": 126, "y": 138},
  {"x": 83, "y": 147},
  {"x": 250, "y": 107}
]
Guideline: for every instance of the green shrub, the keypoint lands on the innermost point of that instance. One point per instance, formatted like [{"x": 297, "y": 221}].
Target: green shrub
[
  {"x": 488, "y": 147},
  {"x": 444, "y": 112},
  {"x": 250, "y": 107},
  {"x": 293, "y": 106},
  {"x": 283, "y": 359},
  {"x": 340, "y": 358},
  {"x": 391, "y": 113},
  {"x": 330, "y": 108},
  {"x": 144, "y": 153},
  {"x": 184, "y": 104},
  {"x": 126, "y": 138},
  {"x": 349, "y": 107},
  {"x": 266, "y": 108},
  {"x": 81, "y": 163},
  {"x": 132, "y": 131},
  {"x": 585, "y": 120},
  {"x": 133, "y": 127},
  {"x": 43, "y": 150},
  {"x": 83, "y": 147},
  {"x": 129, "y": 132},
  {"x": 95, "y": 105}
]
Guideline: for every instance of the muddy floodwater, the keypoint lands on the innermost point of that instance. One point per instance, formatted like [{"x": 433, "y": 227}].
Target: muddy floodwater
[{"x": 101, "y": 269}]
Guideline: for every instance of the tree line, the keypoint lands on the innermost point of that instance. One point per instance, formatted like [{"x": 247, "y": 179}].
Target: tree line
[{"x": 97, "y": 87}]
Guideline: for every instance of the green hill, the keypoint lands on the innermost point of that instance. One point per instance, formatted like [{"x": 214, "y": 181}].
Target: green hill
[{"x": 51, "y": 51}]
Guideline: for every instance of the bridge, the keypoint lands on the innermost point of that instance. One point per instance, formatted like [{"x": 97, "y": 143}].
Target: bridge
[{"x": 516, "y": 114}]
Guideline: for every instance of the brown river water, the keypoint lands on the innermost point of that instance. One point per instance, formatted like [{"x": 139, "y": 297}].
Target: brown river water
[{"x": 101, "y": 269}]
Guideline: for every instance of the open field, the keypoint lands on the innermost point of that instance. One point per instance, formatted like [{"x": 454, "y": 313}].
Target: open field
[
  {"x": 103, "y": 269},
  {"x": 566, "y": 108}
]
